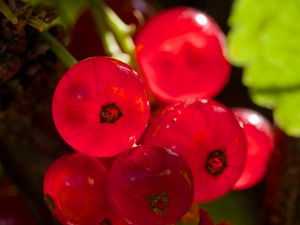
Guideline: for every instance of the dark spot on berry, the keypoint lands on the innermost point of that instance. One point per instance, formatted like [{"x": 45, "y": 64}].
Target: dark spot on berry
[
  {"x": 216, "y": 162},
  {"x": 158, "y": 203},
  {"x": 110, "y": 113},
  {"x": 105, "y": 222},
  {"x": 49, "y": 202}
]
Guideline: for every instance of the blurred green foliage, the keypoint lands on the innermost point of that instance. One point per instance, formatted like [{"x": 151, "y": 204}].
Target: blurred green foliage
[
  {"x": 264, "y": 39},
  {"x": 236, "y": 208}
]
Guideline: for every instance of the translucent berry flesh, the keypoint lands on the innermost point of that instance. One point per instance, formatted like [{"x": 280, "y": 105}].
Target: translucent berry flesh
[
  {"x": 206, "y": 134},
  {"x": 75, "y": 189},
  {"x": 259, "y": 135},
  {"x": 100, "y": 107},
  {"x": 181, "y": 54},
  {"x": 150, "y": 186}
]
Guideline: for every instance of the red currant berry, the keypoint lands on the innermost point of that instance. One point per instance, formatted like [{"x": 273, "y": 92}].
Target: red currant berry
[
  {"x": 150, "y": 186},
  {"x": 100, "y": 107},
  {"x": 208, "y": 137},
  {"x": 181, "y": 54},
  {"x": 75, "y": 188},
  {"x": 259, "y": 135}
]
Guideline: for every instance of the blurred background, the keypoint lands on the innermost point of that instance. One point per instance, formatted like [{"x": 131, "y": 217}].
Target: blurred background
[{"x": 29, "y": 72}]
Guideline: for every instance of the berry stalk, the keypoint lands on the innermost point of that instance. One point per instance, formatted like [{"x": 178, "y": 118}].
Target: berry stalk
[
  {"x": 61, "y": 52},
  {"x": 114, "y": 33},
  {"x": 37, "y": 23},
  {"x": 121, "y": 30},
  {"x": 110, "y": 44}
]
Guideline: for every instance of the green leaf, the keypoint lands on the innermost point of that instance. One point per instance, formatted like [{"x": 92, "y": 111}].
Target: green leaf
[
  {"x": 264, "y": 39},
  {"x": 69, "y": 10},
  {"x": 287, "y": 112}
]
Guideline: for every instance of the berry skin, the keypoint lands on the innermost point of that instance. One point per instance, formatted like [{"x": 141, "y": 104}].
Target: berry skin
[
  {"x": 150, "y": 186},
  {"x": 75, "y": 189},
  {"x": 100, "y": 107},
  {"x": 181, "y": 54},
  {"x": 259, "y": 135},
  {"x": 206, "y": 134}
]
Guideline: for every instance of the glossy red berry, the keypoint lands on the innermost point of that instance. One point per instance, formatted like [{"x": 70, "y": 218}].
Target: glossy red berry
[
  {"x": 100, "y": 107},
  {"x": 259, "y": 135},
  {"x": 181, "y": 54},
  {"x": 150, "y": 186},
  {"x": 75, "y": 189},
  {"x": 206, "y": 134}
]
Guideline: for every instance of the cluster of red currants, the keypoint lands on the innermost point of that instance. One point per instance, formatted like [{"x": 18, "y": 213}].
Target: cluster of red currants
[{"x": 141, "y": 171}]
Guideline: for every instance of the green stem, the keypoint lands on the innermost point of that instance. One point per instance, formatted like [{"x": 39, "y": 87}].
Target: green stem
[
  {"x": 115, "y": 23},
  {"x": 121, "y": 30},
  {"x": 36, "y": 23},
  {"x": 4, "y": 8},
  {"x": 120, "y": 34},
  {"x": 110, "y": 44},
  {"x": 61, "y": 52}
]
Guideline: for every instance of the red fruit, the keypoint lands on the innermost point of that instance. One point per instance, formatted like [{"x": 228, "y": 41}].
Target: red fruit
[
  {"x": 100, "y": 107},
  {"x": 150, "y": 186},
  {"x": 181, "y": 54},
  {"x": 75, "y": 189},
  {"x": 206, "y": 134},
  {"x": 259, "y": 135}
]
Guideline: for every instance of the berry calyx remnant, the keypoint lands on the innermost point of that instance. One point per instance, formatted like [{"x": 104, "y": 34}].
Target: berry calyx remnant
[
  {"x": 158, "y": 203},
  {"x": 110, "y": 113},
  {"x": 216, "y": 162},
  {"x": 49, "y": 202}
]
